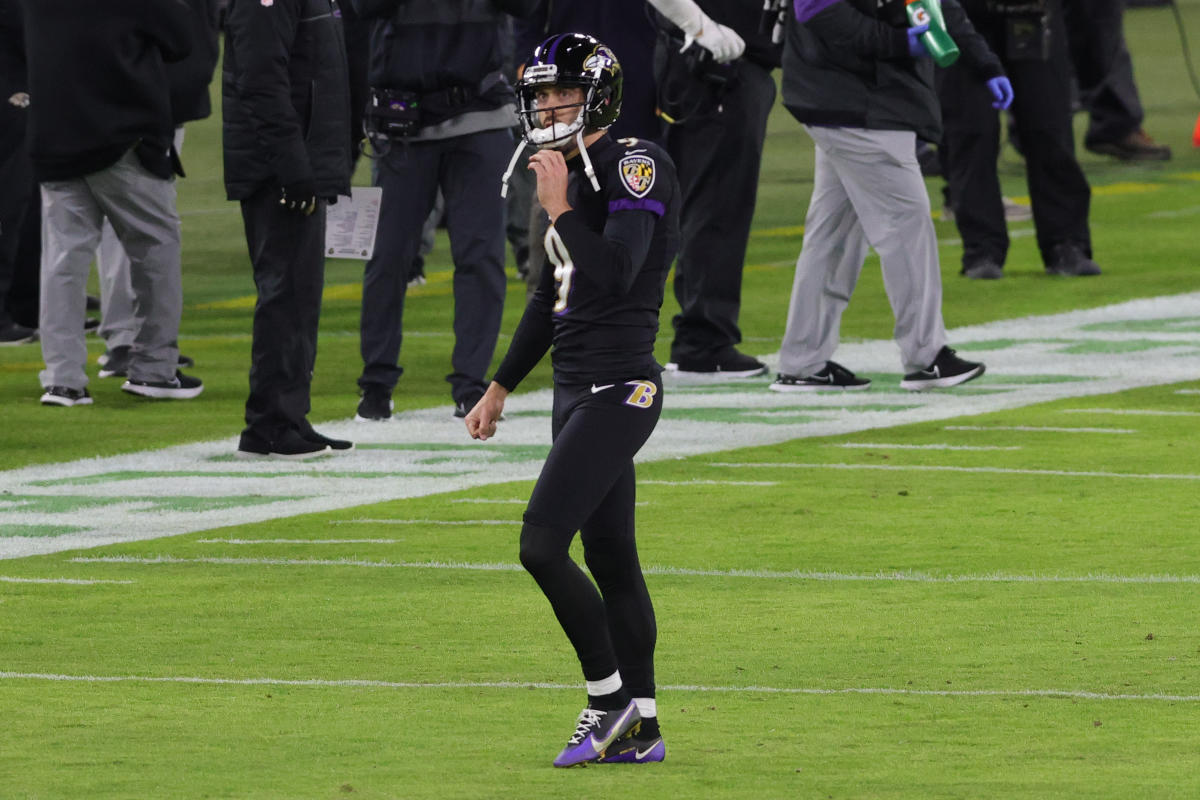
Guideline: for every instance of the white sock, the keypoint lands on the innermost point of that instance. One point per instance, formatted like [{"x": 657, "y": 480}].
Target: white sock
[
  {"x": 605, "y": 686},
  {"x": 646, "y": 707}
]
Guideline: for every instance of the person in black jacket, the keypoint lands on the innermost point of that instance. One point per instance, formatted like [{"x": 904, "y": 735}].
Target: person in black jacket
[
  {"x": 614, "y": 228},
  {"x": 101, "y": 146},
  {"x": 16, "y": 170},
  {"x": 1031, "y": 41},
  {"x": 441, "y": 115},
  {"x": 286, "y": 115},
  {"x": 189, "y": 79},
  {"x": 860, "y": 80},
  {"x": 716, "y": 139}
]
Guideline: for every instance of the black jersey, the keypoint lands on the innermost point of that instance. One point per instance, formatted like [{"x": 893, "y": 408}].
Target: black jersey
[{"x": 607, "y": 262}]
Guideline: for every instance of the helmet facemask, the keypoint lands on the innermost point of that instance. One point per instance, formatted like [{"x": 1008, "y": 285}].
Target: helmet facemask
[{"x": 565, "y": 122}]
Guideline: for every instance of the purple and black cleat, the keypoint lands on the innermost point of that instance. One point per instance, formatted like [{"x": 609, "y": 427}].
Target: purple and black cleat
[
  {"x": 631, "y": 749},
  {"x": 594, "y": 732}
]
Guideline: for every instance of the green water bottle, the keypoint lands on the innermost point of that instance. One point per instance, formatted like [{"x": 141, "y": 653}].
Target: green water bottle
[{"x": 937, "y": 39}]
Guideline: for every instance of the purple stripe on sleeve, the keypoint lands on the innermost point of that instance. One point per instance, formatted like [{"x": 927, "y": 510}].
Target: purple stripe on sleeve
[
  {"x": 626, "y": 204},
  {"x": 807, "y": 9}
]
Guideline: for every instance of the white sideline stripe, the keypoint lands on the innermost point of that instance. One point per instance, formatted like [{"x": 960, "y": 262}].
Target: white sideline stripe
[
  {"x": 1187, "y": 391},
  {"x": 424, "y": 522},
  {"x": 701, "y": 482},
  {"x": 67, "y": 581},
  {"x": 1058, "y": 473},
  {"x": 884, "y": 446},
  {"x": 485, "y": 500},
  {"x": 300, "y": 541},
  {"x": 1073, "y": 694},
  {"x": 899, "y": 577},
  {"x": 1035, "y": 429},
  {"x": 1132, "y": 412}
]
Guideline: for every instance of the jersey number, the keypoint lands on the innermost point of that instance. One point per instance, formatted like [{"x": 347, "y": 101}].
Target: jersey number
[{"x": 564, "y": 268}]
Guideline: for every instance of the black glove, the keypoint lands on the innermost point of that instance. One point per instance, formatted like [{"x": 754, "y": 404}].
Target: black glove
[{"x": 299, "y": 197}]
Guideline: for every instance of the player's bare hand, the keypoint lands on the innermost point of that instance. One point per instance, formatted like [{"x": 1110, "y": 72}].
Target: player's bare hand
[
  {"x": 481, "y": 420},
  {"x": 551, "y": 170}
]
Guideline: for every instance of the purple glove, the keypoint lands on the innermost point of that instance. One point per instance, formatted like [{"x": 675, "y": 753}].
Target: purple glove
[
  {"x": 915, "y": 48},
  {"x": 1002, "y": 92}
]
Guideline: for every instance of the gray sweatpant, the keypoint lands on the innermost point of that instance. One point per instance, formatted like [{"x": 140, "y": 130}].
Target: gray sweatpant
[
  {"x": 867, "y": 192},
  {"x": 141, "y": 208}
]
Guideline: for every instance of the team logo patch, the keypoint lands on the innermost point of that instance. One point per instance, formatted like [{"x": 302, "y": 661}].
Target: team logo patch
[
  {"x": 638, "y": 174},
  {"x": 267, "y": 3}
]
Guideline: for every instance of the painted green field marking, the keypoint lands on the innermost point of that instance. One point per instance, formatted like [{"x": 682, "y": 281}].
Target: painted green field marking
[{"x": 195, "y": 487}]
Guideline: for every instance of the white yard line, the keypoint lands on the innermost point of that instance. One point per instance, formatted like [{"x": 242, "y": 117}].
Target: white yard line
[
  {"x": 1058, "y": 473},
  {"x": 1035, "y": 429},
  {"x": 649, "y": 569},
  {"x": 63, "y": 581},
  {"x": 361, "y": 683},
  {"x": 1132, "y": 412},
  {"x": 424, "y": 522},
  {"x": 196, "y": 487},
  {"x": 887, "y": 446}
]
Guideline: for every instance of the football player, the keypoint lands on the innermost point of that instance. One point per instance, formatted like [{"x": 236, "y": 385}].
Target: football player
[{"x": 613, "y": 209}]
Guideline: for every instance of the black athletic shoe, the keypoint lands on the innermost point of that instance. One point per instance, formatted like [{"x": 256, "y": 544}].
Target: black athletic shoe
[
  {"x": 832, "y": 377},
  {"x": 730, "y": 363},
  {"x": 338, "y": 445},
  {"x": 181, "y": 387},
  {"x": 290, "y": 446},
  {"x": 65, "y": 396},
  {"x": 946, "y": 370},
  {"x": 1067, "y": 258},
  {"x": 11, "y": 333},
  {"x": 463, "y": 407},
  {"x": 115, "y": 363},
  {"x": 983, "y": 270},
  {"x": 595, "y": 730},
  {"x": 376, "y": 404}
]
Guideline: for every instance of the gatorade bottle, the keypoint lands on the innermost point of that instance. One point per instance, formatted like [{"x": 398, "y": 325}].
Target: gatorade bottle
[{"x": 936, "y": 40}]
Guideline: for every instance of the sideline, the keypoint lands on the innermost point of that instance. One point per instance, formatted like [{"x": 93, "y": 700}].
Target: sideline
[{"x": 201, "y": 486}]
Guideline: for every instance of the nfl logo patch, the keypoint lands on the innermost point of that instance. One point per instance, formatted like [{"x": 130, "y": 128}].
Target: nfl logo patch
[
  {"x": 638, "y": 174},
  {"x": 267, "y": 3}
]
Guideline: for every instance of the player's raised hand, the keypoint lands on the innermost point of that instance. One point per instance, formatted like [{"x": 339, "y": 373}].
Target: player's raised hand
[{"x": 551, "y": 170}]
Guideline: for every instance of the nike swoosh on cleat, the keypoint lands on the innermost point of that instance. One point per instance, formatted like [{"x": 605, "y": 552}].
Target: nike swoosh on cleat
[
  {"x": 640, "y": 755},
  {"x": 596, "y": 388}
]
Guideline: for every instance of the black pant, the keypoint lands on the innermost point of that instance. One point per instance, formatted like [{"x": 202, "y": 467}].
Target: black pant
[
  {"x": 468, "y": 170},
  {"x": 20, "y": 221},
  {"x": 717, "y": 156},
  {"x": 1103, "y": 69},
  {"x": 287, "y": 251},
  {"x": 1041, "y": 110},
  {"x": 588, "y": 485}
]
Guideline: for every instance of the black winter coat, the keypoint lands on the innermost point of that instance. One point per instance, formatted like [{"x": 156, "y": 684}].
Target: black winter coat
[
  {"x": 846, "y": 64},
  {"x": 190, "y": 77},
  {"x": 98, "y": 81},
  {"x": 285, "y": 97}
]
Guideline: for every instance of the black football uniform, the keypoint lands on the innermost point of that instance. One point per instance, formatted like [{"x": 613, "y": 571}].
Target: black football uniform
[{"x": 597, "y": 305}]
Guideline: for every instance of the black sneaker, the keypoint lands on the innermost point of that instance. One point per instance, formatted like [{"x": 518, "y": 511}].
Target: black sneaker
[
  {"x": 290, "y": 445},
  {"x": 66, "y": 396},
  {"x": 730, "y": 363},
  {"x": 983, "y": 270},
  {"x": 376, "y": 404},
  {"x": 1067, "y": 258},
  {"x": 464, "y": 406},
  {"x": 115, "y": 363},
  {"x": 831, "y": 377},
  {"x": 339, "y": 445},
  {"x": 946, "y": 370},
  {"x": 181, "y": 387},
  {"x": 11, "y": 334}
]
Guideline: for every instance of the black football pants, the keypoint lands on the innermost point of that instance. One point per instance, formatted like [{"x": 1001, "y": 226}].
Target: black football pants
[{"x": 588, "y": 485}]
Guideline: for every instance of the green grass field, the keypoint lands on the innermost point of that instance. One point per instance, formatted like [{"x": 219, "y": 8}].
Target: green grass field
[{"x": 991, "y": 594}]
